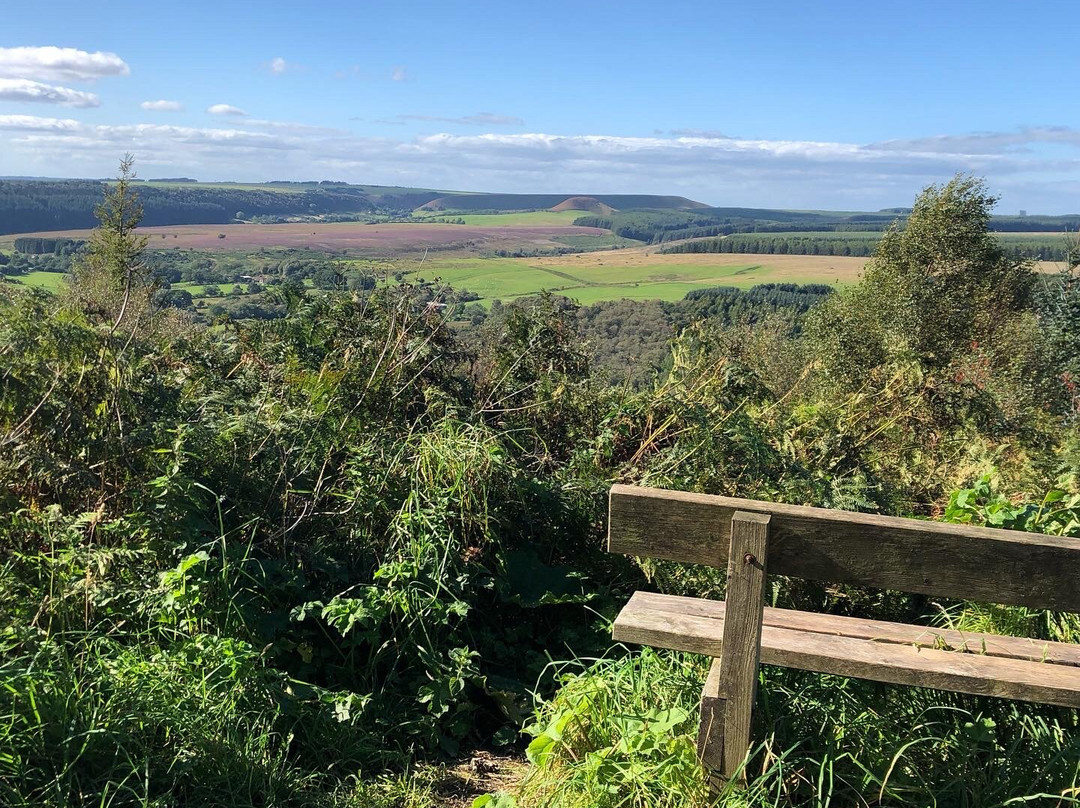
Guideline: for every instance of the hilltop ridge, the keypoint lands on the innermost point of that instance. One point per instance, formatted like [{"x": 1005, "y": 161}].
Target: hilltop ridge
[
  {"x": 515, "y": 202},
  {"x": 585, "y": 203},
  {"x": 37, "y": 205}
]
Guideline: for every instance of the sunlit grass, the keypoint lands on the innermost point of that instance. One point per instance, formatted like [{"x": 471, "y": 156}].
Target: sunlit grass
[
  {"x": 51, "y": 281},
  {"x": 602, "y": 278},
  {"x": 532, "y": 218}
]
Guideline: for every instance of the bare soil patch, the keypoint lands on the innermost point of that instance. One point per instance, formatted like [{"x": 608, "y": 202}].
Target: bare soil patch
[{"x": 482, "y": 773}]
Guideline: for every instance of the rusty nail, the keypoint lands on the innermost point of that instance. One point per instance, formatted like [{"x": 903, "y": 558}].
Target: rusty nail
[{"x": 749, "y": 558}]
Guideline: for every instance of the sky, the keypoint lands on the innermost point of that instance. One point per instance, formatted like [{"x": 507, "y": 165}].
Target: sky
[{"x": 804, "y": 105}]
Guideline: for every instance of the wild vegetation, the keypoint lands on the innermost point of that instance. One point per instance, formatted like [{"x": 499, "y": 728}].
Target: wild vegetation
[{"x": 302, "y": 561}]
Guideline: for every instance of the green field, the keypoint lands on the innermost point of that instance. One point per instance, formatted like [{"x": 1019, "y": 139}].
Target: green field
[
  {"x": 42, "y": 280},
  {"x": 491, "y": 278},
  {"x": 532, "y": 218},
  {"x": 508, "y": 278},
  {"x": 588, "y": 278}
]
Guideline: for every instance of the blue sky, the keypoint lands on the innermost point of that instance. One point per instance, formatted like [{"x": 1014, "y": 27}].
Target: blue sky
[{"x": 781, "y": 104}]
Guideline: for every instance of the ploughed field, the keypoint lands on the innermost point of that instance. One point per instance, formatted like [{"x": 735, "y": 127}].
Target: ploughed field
[{"x": 354, "y": 236}]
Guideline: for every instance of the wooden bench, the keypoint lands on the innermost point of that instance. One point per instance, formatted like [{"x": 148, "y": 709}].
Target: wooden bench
[{"x": 750, "y": 538}]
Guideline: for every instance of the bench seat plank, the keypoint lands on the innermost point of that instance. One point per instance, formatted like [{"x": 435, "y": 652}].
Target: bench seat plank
[
  {"x": 1009, "y": 667},
  {"x": 878, "y": 630}
]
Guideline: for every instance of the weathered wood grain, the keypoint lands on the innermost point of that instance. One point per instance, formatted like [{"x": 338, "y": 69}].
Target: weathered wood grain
[
  {"x": 711, "y": 725},
  {"x": 741, "y": 647},
  {"x": 932, "y": 558},
  {"x": 892, "y": 662},
  {"x": 972, "y": 642}
]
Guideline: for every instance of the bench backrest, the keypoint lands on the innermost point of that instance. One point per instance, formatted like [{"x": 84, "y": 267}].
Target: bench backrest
[{"x": 910, "y": 555}]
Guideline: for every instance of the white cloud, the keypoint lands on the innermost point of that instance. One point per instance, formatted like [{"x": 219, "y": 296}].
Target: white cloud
[
  {"x": 35, "y": 91},
  {"x": 399, "y": 74},
  {"x": 279, "y": 66},
  {"x": 162, "y": 106},
  {"x": 59, "y": 64},
  {"x": 730, "y": 171},
  {"x": 225, "y": 109},
  {"x": 32, "y": 123}
]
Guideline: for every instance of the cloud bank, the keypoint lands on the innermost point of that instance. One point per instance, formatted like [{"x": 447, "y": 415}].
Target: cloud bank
[
  {"x": 59, "y": 64},
  {"x": 720, "y": 171},
  {"x": 26, "y": 90}
]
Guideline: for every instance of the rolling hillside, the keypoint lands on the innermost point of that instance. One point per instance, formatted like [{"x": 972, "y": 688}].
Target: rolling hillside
[{"x": 474, "y": 202}]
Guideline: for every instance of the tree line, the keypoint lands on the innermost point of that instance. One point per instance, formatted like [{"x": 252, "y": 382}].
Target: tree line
[
  {"x": 34, "y": 205},
  {"x": 1037, "y": 248},
  {"x": 31, "y": 245}
]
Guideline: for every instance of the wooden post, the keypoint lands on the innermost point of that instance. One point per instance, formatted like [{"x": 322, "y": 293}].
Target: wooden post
[
  {"x": 726, "y": 706},
  {"x": 711, "y": 729}
]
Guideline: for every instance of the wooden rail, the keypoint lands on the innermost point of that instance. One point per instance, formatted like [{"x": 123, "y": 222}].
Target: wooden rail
[{"x": 930, "y": 558}]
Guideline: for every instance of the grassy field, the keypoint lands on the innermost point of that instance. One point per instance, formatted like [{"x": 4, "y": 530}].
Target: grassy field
[
  {"x": 42, "y": 280},
  {"x": 533, "y": 218},
  {"x": 636, "y": 273}
]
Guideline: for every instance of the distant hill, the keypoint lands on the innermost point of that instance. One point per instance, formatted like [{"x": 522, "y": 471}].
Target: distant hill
[
  {"x": 28, "y": 206},
  {"x": 513, "y": 202},
  {"x": 36, "y": 205},
  {"x": 39, "y": 205},
  {"x": 588, "y": 204}
]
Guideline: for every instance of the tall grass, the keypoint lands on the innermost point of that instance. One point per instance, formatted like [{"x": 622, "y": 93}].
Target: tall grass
[{"x": 622, "y": 732}]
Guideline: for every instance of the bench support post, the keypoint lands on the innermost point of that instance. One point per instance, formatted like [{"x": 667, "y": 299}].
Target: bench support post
[
  {"x": 711, "y": 729},
  {"x": 728, "y": 698}
]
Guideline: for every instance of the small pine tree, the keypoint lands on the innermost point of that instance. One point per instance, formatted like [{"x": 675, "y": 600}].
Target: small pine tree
[{"x": 110, "y": 281}]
